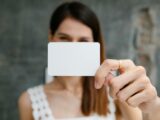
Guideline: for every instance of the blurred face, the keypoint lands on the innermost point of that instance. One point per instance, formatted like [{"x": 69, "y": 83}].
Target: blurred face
[{"x": 71, "y": 30}]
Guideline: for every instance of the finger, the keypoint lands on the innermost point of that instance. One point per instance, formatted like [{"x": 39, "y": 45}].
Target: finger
[
  {"x": 117, "y": 64},
  {"x": 118, "y": 83},
  {"x": 147, "y": 103},
  {"x": 143, "y": 96},
  {"x": 137, "y": 99},
  {"x": 103, "y": 71},
  {"x": 110, "y": 65},
  {"x": 131, "y": 89},
  {"x": 125, "y": 65}
]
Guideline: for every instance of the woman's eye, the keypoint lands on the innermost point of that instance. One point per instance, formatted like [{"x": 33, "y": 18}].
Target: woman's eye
[
  {"x": 64, "y": 39},
  {"x": 84, "y": 40}
]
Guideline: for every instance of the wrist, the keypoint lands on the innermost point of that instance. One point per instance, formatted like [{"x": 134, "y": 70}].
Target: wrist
[{"x": 154, "y": 109}]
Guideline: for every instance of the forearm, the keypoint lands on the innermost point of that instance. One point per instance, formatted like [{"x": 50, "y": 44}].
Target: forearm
[{"x": 154, "y": 113}]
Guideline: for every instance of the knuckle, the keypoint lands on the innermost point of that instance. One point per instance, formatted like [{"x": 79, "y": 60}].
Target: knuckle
[
  {"x": 141, "y": 83},
  {"x": 106, "y": 62},
  {"x": 147, "y": 78},
  {"x": 141, "y": 69},
  {"x": 147, "y": 92},
  {"x": 144, "y": 80},
  {"x": 129, "y": 61},
  {"x": 152, "y": 92},
  {"x": 131, "y": 103},
  {"x": 121, "y": 96}
]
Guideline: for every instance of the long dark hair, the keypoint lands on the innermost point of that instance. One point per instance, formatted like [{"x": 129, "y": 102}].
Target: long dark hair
[{"x": 93, "y": 101}]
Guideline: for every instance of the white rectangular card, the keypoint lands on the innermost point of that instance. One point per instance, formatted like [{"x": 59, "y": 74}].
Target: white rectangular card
[{"x": 73, "y": 58}]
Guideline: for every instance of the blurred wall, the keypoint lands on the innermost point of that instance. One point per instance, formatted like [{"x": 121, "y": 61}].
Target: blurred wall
[{"x": 23, "y": 41}]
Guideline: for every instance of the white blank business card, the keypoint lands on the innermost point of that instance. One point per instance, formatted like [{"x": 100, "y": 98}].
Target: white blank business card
[{"x": 73, "y": 58}]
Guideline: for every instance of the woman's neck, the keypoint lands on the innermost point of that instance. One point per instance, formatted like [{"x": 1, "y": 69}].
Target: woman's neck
[{"x": 72, "y": 84}]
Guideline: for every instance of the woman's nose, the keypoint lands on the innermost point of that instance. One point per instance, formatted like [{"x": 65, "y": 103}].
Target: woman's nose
[{"x": 75, "y": 40}]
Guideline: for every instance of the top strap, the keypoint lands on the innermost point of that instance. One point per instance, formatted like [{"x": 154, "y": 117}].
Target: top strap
[{"x": 40, "y": 106}]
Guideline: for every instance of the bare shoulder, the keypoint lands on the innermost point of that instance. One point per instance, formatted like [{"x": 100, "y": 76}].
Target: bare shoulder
[
  {"x": 24, "y": 105},
  {"x": 24, "y": 99}
]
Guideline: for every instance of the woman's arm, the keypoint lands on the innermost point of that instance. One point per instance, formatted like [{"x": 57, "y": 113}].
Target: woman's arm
[{"x": 25, "y": 109}]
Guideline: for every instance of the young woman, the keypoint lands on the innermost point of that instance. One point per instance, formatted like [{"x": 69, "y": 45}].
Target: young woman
[{"x": 71, "y": 97}]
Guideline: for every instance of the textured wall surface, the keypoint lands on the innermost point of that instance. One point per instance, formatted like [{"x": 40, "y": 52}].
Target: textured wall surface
[{"x": 23, "y": 41}]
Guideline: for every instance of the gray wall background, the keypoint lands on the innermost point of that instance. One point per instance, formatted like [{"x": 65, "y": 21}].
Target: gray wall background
[{"x": 23, "y": 41}]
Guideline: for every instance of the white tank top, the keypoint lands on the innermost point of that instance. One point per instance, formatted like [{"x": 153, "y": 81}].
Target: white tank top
[{"x": 42, "y": 111}]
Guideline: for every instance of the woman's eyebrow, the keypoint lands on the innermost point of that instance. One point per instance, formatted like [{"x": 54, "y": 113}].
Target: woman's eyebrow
[
  {"x": 63, "y": 34},
  {"x": 68, "y": 36}
]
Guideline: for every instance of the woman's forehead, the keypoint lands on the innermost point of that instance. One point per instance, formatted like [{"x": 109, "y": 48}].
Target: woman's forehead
[{"x": 71, "y": 26}]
